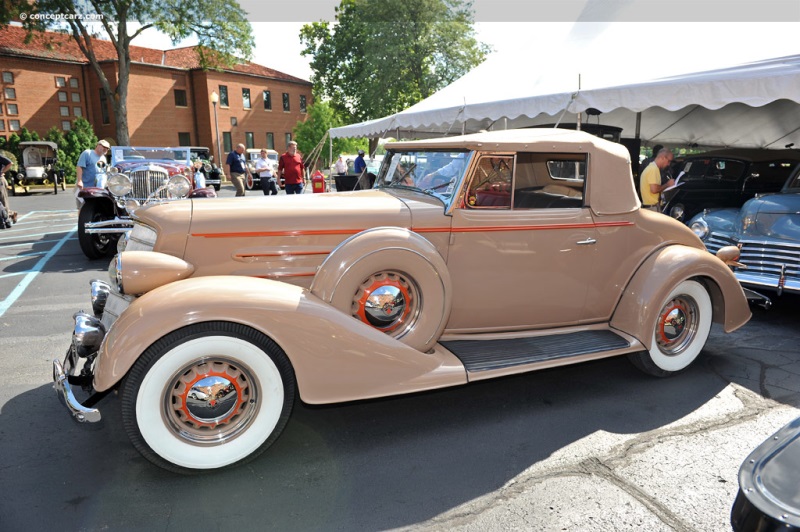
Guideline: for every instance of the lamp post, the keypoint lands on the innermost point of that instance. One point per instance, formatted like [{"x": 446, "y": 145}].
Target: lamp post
[{"x": 214, "y": 100}]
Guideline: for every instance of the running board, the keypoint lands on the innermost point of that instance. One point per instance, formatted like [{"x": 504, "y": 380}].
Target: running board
[{"x": 485, "y": 355}]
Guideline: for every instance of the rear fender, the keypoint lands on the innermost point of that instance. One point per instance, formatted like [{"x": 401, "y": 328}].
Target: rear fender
[
  {"x": 642, "y": 299},
  {"x": 335, "y": 357}
]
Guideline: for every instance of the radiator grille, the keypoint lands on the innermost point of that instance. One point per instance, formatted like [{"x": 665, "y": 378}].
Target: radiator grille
[
  {"x": 762, "y": 258},
  {"x": 146, "y": 181}
]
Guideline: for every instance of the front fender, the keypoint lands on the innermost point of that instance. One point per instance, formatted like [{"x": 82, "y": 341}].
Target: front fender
[
  {"x": 335, "y": 357},
  {"x": 638, "y": 308}
]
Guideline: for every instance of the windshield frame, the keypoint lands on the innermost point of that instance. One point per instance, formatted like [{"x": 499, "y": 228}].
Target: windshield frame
[
  {"x": 445, "y": 188},
  {"x": 119, "y": 153}
]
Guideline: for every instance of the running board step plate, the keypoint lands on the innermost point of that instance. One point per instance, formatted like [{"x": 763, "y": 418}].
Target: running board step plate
[{"x": 483, "y": 355}]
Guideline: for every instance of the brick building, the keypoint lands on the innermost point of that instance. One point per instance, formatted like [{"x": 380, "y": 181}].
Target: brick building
[{"x": 48, "y": 82}]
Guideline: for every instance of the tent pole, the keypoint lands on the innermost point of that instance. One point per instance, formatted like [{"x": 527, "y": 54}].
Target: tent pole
[{"x": 638, "y": 124}]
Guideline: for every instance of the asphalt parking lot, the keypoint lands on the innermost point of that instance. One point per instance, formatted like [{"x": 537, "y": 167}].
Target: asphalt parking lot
[{"x": 597, "y": 446}]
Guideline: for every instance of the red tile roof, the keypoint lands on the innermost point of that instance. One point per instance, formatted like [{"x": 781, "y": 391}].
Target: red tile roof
[{"x": 62, "y": 47}]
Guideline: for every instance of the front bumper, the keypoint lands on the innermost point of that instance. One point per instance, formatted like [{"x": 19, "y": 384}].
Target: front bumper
[
  {"x": 116, "y": 226},
  {"x": 77, "y": 368},
  {"x": 63, "y": 374}
]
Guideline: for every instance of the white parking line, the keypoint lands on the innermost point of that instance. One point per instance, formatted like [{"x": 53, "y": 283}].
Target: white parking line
[
  {"x": 24, "y": 255},
  {"x": 31, "y": 275}
]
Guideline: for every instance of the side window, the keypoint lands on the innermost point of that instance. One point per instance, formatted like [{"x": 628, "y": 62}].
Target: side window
[
  {"x": 549, "y": 180},
  {"x": 491, "y": 183}
]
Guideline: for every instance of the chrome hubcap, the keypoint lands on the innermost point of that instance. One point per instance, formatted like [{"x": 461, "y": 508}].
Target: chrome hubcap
[
  {"x": 387, "y": 301},
  {"x": 211, "y": 402},
  {"x": 677, "y": 325}
]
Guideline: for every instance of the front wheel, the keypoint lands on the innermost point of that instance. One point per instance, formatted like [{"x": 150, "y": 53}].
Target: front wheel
[
  {"x": 208, "y": 396},
  {"x": 249, "y": 182},
  {"x": 94, "y": 246},
  {"x": 680, "y": 331}
]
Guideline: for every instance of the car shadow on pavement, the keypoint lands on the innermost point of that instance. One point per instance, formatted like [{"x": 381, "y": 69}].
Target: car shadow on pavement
[
  {"x": 363, "y": 466},
  {"x": 372, "y": 465}
]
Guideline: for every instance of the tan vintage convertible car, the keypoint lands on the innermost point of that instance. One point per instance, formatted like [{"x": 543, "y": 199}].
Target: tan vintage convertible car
[{"x": 474, "y": 257}]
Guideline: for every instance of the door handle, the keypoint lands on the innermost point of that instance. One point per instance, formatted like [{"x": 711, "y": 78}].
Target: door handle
[{"x": 587, "y": 242}]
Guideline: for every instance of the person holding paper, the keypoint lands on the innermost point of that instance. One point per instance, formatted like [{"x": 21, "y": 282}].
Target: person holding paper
[{"x": 650, "y": 182}]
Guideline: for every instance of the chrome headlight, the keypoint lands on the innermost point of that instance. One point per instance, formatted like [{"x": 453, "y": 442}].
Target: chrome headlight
[
  {"x": 119, "y": 184},
  {"x": 700, "y": 228},
  {"x": 207, "y": 167},
  {"x": 677, "y": 212},
  {"x": 178, "y": 186},
  {"x": 115, "y": 273}
]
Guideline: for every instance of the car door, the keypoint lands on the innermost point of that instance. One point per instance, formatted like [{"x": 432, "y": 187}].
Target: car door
[{"x": 517, "y": 252}]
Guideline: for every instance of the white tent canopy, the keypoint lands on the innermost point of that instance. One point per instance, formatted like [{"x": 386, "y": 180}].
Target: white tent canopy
[{"x": 756, "y": 104}]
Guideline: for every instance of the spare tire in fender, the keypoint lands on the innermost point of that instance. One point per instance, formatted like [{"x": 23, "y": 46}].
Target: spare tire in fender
[{"x": 391, "y": 279}]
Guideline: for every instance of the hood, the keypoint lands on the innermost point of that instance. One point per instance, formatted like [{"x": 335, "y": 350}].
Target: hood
[
  {"x": 773, "y": 216},
  {"x": 297, "y": 214}
]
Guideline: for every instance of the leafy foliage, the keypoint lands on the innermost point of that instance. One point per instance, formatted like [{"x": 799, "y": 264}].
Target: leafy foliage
[
  {"x": 382, "y": 56},
  {"x": 80, "y": 137},
  {"x": 320, "y": 118},
  {"x": 220, "y": 26}
]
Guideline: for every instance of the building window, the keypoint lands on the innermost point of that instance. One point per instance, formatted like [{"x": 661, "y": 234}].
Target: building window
[
  {"x": 13, "y": 125},
  {"x": 104, "y": 106},
  {"x": 12, "y": 109},
  {"x": 61, "y": 82},
  {"x": 76, "y": 97},
  {"x": 77, "y": 111},
  {"x": 267, "y": 101},
  {"x": 65, "y": 125},
  {"x": 246, "y": 98},
  {"x": 234, "y": 121},
  {"x": 249, "y": 140},
  {"x": 1, "y": 110},
  {"x": 302, "y": 104},
  {"x": 73, "y": 82},
  {"x": 271, "y": 141},
  {"x": 180, "y": 97},
  {"x": 223, "y": 97},
  {"x": 184, "y": 139},
  {"x": 8, "y": 77},
  {"x": 11, "y": 94},
  {"x": 288, "y": 140},
  {"x": 2, "y": 125},
  {"x": 227, "y": 145},
  {"x": 64, "y": 110},
  {"x": 62, "y": 96},
  {"x": 286, "y": 106}
]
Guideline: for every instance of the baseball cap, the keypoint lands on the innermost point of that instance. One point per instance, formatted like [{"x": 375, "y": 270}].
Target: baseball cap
[{"x": 104, "y": 143}]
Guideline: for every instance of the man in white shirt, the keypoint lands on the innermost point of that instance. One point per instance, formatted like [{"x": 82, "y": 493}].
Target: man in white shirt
[
  {"x": 263, "y": 167},
  {"x": 340, "y": 166}
]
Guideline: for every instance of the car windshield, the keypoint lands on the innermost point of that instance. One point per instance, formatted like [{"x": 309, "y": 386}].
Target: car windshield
[
  {"x": 436, "y": 173},
  {"x": 727, "y": 169},
  {"x": 126, "y": 154}
]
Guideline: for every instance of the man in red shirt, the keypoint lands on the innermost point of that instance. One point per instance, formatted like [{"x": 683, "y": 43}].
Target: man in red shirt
[{"x": 291, "y": 169}]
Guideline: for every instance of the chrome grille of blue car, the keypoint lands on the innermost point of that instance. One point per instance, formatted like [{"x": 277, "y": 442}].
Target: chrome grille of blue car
[
  {"x": 716, "y": 241},
  {"x": 768, "y": 263},
  {"x": 147, "y": 181},
  {"x": 771, "y": 258}
]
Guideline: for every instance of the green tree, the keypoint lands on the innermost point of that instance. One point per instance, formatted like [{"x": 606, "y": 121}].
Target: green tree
[
  {"x": 381, "y": 56},
  {"x": 308, "y": 134},
  {"x": 80, "y": 137},
  {"x": 220, "y": 27}
]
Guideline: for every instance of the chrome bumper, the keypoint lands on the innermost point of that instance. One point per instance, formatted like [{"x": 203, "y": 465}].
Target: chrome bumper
[
  {"x": 62, "y": 386},
  {"x": 87, "y": 337},
  {"x": 116, "y": 226}
]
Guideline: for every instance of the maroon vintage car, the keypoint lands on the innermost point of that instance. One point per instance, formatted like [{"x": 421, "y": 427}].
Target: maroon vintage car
[{"x": 137, "y": 176}]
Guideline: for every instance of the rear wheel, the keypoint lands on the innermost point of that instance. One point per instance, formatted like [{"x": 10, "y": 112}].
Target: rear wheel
[
  {"x": 208, "y": 396},
  {"x": 680, "y": 331}
]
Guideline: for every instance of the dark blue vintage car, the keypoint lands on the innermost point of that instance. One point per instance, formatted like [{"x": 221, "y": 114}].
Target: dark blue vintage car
[{"x": 767, "y": 231}]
